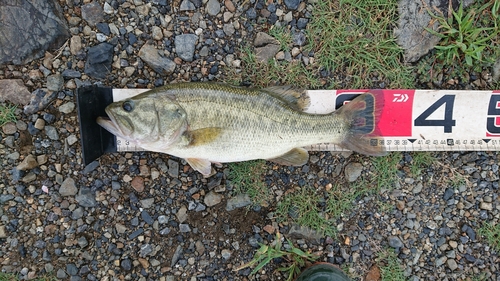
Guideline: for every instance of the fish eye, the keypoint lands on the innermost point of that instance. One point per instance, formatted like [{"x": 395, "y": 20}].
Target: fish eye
[{"x": 128, "y": 106}]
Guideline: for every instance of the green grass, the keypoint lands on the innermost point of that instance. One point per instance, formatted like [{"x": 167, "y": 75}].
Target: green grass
[
  {"x": 303, "y": 207},
  {"x": 420, "y": 161},
  {"x": 385, "y": 170},
  {"x": 7, "y": 113},
  {"x": 247, "y": 178},
  {"x": 468, "y": 35},
  {"x": 355, "y": 38},
  {"x": 282, "y": 34},
  {"x": 13, "y": 277},
  {"x": 390, "y": 266},
  {"x": 295, "y": 258},
  {"x": 491, "y": 232},
  {"x": 273, "y": 72},
  {"x": 340, "y": 200}
]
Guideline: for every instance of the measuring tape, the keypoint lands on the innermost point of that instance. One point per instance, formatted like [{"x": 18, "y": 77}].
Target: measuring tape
[{"x": 411, "y": 120}]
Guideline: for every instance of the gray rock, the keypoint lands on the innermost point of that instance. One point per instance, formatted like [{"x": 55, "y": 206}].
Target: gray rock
[
  {"x": 448, "y": 193},
  {"x": 55, "y": 82},
  {"x": 212, "y": 199},
  {"x": 61, "y": 274},
  {"x": 262, "y": 39},
  {"x": 266, "y": 53},
  {"x": 187, "y": 5},
  {"x": 28, "y": 163},
  {"x": 184, "y": 227},
  {"x": 395, "y": 242},
  {"x": 5, "y": 197},
  {"x": 3, "y": 232},
  {"x": 90, "y": 167},
  {"x": 86, "y": 198},
  {"x": 228, "y": 29},
  {"x": 452, "y": 264},
  {"x": 176, "y": 256},
  {"x": 226, "y": 254},
  {"x": 82, "y": 242},
  {"x": 353, "y": 171},
  {"x": 71, "y": 73},
  {"x": 51, "y": 133},
  {"x": 145, "y": 250},
  {"x": 39, "y": 100},
  {"x": 68, "y": 187},
  {"x": 71, "y": 139},
  {"x": 182, "y": 214},
  {"x": 266, "y": 46},
  {"x": 440, "y": 261},
  {"x": 77, "y": 213},
  {"x": 126, "y": 264},
  {"x": 92, "y": 13},
  {"x": 413, "y": 19},
  {"x": 41, "y": 23},
  {"x": 239, "y": 201},
  {"x": 185, "y": 45},
  {"x": 418, "y": 188},
  {"x": 213, "y": 7},
  {"x": 99, "y": 60},
  {"x": 173, "y": 168},
  {"x": 149, "y": 54},
  {"x": 147, "y": 203},
  {"x": 75, "y": 45},
  {"x": 292, "y": 4},
  {"x": 67, "y": 107},
  {"x": 14, "y": 91}
]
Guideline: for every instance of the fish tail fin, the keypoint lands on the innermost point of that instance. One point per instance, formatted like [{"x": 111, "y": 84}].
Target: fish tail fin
[{"x": 362, "y": 115}]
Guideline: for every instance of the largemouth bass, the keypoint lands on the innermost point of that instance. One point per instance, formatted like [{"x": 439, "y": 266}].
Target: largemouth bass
[{"x": 207, "y": 123}]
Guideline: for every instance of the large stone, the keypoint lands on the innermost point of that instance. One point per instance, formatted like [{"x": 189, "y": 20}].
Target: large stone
[
  {"x": 213, "y": 7},
  {"x": 99, "y": 60},
  {"x": 28, "y": 163},
  {"x": 39, "y": 100},
  {"x": 14, "y": 91},
  {"x": 149, "y": 54},
  {"x": 266, "y": 47},
  {"x": 92, "y": 13},
  {"x": 29, "y": 28},
  {"x": 68, "y": 187},
  {"x": 185, "y": 45},
  {"x": 414, "y": 17}
]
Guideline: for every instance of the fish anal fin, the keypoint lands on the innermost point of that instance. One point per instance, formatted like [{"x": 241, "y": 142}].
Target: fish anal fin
[
  {"x": 201, "y": 165},
  {"x": 296, "y": 98},
  {"x": 203, "y": 136},
  {"x": 295, "y": 157}
]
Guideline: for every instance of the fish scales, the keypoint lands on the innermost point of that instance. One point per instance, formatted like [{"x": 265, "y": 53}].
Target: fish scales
[
  {"x": 209, "y": 122},
  {"x": 254, "y": 123}
]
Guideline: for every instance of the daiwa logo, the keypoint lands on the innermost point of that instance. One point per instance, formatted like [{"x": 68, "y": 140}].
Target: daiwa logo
[{"x": 400, "y": 98}]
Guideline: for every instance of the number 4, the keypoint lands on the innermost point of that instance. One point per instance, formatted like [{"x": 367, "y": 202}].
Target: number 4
[{"x": 448, "y": 122}]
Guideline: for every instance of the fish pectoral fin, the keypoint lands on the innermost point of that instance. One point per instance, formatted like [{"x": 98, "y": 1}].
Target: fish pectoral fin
[
  {"x": 201, "y": 165},
  {"x": 295, "y": 157},
  {"x": 296, "y": 98},
  {"x": 203, "y": 136}
]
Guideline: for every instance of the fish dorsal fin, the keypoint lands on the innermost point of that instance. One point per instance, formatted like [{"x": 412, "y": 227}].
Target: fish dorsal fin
[
  {"x": 295, "y": 157},
  {"x": 203, "y": 136},
  {"x": 296, "y": 98},
  {"x": 201, "y": 165}
]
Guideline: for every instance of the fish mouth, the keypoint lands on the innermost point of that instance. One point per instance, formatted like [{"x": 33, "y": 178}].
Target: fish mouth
[{"x": 110, "y": 125}]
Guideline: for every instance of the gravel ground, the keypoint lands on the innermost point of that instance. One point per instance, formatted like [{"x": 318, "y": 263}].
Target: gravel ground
[{"x": 146, "y": 216}]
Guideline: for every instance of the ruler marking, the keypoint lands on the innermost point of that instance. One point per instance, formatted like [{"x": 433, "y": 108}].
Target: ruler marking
[{"x": 470, "y": 110}]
